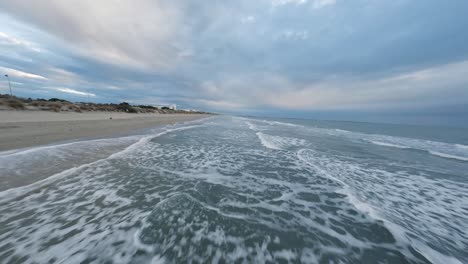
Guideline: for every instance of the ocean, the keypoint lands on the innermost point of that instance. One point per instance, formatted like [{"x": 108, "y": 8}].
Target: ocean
[{"x": 241, "y": 190}]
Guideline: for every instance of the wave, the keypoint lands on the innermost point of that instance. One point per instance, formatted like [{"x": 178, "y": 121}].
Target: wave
[
  {"x": 460, "y": 146},
  {"x": 277, "y": 123},
  {"x": 279, "y": 143},
  {"x": 25, "y": 151},
  {"x": 341, "y": 130},
  {"x": 267, "y": 141},
  {"x": 251, "y": 125},
  {"x": 391, "y": 189},
  {"x": 13, "y": 193},
  {"x": 442, "y": 149},
  {"x": 309, "y": 156},
  {"x": 281, "y": 123},
  {"x": 388, "y": 144},
  {"x": 231, "y": 193},
  {"x": 444, "y": 155},
  {"x": 268, "y": 122},
  {"x": 321, "y": 165},
  {"x": 433, "y": 152}
]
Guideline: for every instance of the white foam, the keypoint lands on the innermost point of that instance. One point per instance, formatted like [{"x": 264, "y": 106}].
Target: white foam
[
  {"x": 88, "y": 209},
  {"x": 307, "y": 156},
  {"x": 251, "y": 125},
  {"x": 282, "y": 123},
  {"x": 434, "y": 256},
  {"x": 26, "y": 151},
  {"x": 277, "y": 123},
  {"x": 267, "y": 141},
  {"x": 442, "y": 149},
  {"x": 391, "y": 189},
  {"x": 212, "y": 193},
  {"x": 445, "y": 155},
  {"x": 271, "y": 123},
  {"x": 342, "y": 130},
  {"x": 10, "y": 194},
  {"x": 447, "y": 150},
  {"x": 278, "y": 142},
  {"x": 460, "y": 146},
  {"x": 158, "y": 260},
  {"x": 388, "y": 145}
]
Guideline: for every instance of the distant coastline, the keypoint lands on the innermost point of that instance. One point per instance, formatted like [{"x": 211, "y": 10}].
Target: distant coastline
[{"x": 8, "y": 102}]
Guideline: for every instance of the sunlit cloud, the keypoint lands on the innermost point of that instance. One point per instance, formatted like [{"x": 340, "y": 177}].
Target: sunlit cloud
[
  {"x": 6, "y": 39},
  {"x": 428, "y": 86},
  {"x": 21, "y": 74},
  {"x": 72, "y": 91}
]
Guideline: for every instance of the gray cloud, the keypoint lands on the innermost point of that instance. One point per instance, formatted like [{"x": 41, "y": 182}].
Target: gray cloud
[
  {"x": 242, "y": 55},
  {"x": 140, "y": 35}
]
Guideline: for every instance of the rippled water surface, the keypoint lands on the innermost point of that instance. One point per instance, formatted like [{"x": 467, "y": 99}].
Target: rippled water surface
[{"x": 238, "y": 190}]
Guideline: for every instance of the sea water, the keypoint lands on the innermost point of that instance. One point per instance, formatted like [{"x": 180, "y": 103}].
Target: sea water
[{"x": 241, "y": 190}]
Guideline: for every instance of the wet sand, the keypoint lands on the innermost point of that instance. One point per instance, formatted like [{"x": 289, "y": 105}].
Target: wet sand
[{"x": 22, "y": 129}]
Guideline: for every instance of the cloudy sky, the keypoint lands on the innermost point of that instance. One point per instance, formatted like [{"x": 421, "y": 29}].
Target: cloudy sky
[{"x": 336, "y": 59}]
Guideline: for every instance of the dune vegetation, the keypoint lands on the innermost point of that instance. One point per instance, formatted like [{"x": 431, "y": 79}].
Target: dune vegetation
[{"x": 8, "y": 102}]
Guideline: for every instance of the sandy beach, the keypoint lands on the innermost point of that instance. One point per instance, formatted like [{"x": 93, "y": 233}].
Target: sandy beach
[{"x": 22, "y": 129}]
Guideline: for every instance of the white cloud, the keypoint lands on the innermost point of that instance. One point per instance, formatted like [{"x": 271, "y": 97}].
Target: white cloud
[
  {"x": 112, "y": 87},
  {"x": 185, "y": 53},
  {"x": 315, "y": 3},
  {"x": 286, "y": 2},
  {"x": 218, "y": 104},
  {"x": 247, "y": 19},
  {"x": 21, "y": 74},
  {"x": 291, "y": 34},
  {"x": 322, "y": 3},
  {"x": 438, "y": 85},
  {"x": 234, "y": 92},
  {"x": 72, "y": 91},
  {"x": 6, "y": 39},
  {"x": 431, "y": 86},
  {"x": 63, "y": 76}
]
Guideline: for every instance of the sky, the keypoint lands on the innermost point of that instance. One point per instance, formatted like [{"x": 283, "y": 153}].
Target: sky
[{"x": 369, "y": 60}]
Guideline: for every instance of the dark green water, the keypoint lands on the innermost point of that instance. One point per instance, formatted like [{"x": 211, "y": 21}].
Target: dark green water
[{"x": 236, "y": 190}]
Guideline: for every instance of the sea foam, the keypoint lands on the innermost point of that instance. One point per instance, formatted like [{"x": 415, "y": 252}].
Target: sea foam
[
  {"x": 388, "y": 145},
  {"x": 449, "y": 156},
  {"x": 395, "y": 188},
  {"x": 215, "y": 192}
]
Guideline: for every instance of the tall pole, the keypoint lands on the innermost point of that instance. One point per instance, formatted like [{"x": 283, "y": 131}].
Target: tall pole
[{"x": 9, "y": 84}]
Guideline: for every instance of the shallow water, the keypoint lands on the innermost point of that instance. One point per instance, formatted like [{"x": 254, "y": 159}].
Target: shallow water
[{"x": 230, "y": 189}]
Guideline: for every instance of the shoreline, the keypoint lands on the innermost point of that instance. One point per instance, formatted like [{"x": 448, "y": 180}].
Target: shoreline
[{"x": 26, "y": 129}]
